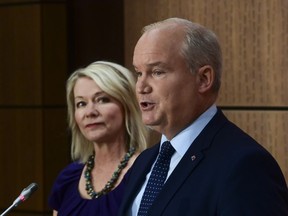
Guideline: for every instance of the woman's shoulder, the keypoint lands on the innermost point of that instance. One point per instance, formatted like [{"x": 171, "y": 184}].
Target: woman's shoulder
[
  {"x": 68, "y": 176},
  {"x": 67, "y": 180},
  {"x": 70, "y": 173},
  {"x": 72, "y": 169}
]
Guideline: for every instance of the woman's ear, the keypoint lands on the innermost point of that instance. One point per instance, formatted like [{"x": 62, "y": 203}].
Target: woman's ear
[{"x": 206, "y": 78}]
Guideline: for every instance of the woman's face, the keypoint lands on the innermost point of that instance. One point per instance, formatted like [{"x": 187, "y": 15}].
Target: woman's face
[{"x": 99, "y": 116}]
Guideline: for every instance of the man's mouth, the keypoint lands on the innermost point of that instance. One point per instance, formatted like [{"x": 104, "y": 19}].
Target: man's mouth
[{"x": 146, "y": 106}]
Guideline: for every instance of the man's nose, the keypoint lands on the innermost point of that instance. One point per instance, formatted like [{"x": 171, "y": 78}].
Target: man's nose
[{"x": 143, "y": 86}]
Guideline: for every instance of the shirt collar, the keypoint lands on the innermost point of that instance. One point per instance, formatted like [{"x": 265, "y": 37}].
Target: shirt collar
[{"x": 182, "y": 141}]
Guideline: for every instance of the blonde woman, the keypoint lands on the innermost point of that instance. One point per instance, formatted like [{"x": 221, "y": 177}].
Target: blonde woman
[{"x": 107, "y": 136}]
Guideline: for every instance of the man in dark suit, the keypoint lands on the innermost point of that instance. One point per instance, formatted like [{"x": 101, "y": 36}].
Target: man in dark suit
[{"x": 216, "y": 168}]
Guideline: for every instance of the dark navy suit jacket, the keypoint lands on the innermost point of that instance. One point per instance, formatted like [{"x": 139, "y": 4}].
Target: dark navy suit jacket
[{"x": 224, "y": 172}]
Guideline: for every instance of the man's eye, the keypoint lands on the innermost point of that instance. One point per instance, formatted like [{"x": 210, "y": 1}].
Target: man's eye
[
  {"x": 138, "y": 74},
  {"x": 157, "y": 73}
]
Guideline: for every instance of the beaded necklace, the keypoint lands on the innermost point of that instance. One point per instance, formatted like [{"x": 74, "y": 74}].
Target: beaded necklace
[{"x": 111, "y": 183}]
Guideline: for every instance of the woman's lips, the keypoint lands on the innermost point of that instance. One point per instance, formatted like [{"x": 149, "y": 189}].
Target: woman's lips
[{"x": 92, "y": 125}]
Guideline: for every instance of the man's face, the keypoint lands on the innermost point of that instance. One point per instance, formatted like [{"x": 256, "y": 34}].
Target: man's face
[{"x": 166, "y": 89}]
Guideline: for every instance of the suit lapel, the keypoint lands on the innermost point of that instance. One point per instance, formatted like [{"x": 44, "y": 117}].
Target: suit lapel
[
  {"x": 188, "y": 163},
  {"x": 137, "y": 174}
]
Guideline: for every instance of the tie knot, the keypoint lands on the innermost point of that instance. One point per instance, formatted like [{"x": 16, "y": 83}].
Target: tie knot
[{"x": 167, "y": 149}]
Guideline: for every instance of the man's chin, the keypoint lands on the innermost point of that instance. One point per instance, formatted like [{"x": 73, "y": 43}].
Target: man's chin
[
  {"x": 151, "y": 121},
  {"x": 152, "y": 125},
  {"x": 148, "y": 121}
]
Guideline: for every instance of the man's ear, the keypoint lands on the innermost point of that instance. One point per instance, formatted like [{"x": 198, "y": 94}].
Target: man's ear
[{"x": 206, "y": 78}]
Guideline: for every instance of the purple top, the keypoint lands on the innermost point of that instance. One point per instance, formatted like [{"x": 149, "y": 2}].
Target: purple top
[{"x": 65, "y": 197}]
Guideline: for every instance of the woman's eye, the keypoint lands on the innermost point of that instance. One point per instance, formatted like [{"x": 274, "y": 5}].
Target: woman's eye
[
  {"x": 80, "y": 104},
  {"x": 103, "y": 100}
]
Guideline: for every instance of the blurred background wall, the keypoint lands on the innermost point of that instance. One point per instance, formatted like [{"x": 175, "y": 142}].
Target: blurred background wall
[{"x": 42, "y": 42}]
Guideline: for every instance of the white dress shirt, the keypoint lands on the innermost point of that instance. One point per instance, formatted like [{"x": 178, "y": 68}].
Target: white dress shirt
[{"x": 181, "y": 142}]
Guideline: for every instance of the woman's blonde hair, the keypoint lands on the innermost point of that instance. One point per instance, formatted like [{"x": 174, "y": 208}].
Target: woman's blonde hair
[{"x": 118, "y": 82}]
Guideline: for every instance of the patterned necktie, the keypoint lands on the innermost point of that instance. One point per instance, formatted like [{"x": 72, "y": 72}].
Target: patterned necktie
[{"x": 157, "y": 178}]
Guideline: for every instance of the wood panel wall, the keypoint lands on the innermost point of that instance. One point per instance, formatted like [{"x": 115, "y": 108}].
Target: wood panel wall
[
  {"x": 254, "y": 39},
  {"x": 41, "y": 43},
  {"x": 35, "y": 61},
  {"x": 33, "y": 68}
]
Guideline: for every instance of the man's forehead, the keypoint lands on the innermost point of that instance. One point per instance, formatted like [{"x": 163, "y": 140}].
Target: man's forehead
[{"x": 150, "y": 64}]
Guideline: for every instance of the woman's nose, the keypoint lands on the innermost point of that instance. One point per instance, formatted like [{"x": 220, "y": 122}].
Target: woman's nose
[{"x": 91, "y": 110}]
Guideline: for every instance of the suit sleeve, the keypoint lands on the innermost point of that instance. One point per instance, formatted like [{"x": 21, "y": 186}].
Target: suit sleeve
[{"x": 255, "y": 187}]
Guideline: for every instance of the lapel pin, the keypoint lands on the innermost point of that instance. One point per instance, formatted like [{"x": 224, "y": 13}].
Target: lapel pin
[{"x": 193, "y": 157}]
